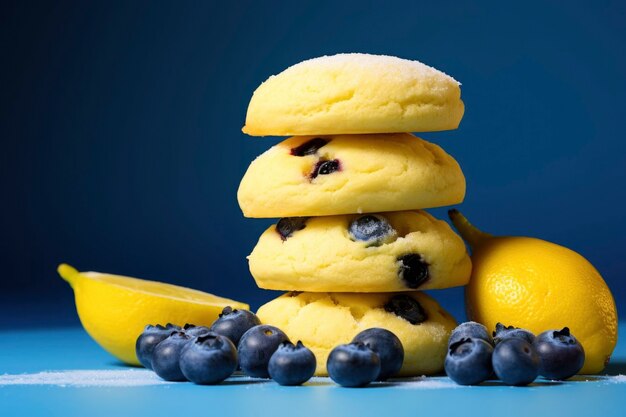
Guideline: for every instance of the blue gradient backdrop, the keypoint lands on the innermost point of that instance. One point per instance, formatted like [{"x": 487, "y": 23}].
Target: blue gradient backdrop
[{"x": 122, "y": 150}]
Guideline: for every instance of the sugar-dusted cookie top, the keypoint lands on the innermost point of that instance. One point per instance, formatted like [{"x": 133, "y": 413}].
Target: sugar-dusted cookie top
[{"x": 355, "y": 93}]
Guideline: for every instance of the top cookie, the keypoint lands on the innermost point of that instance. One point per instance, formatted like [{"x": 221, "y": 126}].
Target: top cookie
[{"x": 355, "y": 93}]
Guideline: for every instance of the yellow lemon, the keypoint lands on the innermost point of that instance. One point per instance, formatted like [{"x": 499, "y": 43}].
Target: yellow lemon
[
  {"x": 115, "y": 309},
  {"x": 538, "y": 285}
]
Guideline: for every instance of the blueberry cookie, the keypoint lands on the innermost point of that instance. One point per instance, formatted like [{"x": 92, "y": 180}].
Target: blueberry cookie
[
  {"x": 394, "y": 251},
  {"x": 355, "y": 93},
  {"x": 324, "y": 320},
  {"x": 326, "y": 175}
]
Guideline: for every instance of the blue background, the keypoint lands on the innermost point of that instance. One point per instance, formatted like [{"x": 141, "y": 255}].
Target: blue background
[{"x": 122, "y": 151}]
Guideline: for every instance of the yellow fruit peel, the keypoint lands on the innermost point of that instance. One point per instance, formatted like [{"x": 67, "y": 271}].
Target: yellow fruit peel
[
  {"x": 114, "y": 309},
  {"x": 538, "y": 285}
]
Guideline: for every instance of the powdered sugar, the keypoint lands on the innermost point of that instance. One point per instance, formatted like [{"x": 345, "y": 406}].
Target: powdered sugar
[
  {"x": 408, "y": 69},
  {"x": 86, "y": 378},
  {"x": 424, "y": 382},
  {"x": 142, "y": 377},
  {"x": 617, "y": 379}
]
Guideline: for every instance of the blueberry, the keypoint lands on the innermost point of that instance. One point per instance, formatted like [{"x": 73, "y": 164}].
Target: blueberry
[
  {"x": 256, "y": 347},
  {"x": 292, "y": 365},
  {"x": 166, "y": 355},
  {"x": 515, "y": 361},
  {"x": 468, "y": 361},
  {"x": 412, "y": 269},
  {"x": 372, "y": 229},
  {"x": 310, "y": 147},
  {"x": 407, "y": 307},
  {"x": 503, "y": 332},
  {"x": 195, "y": 331},
  {"x": 208, "y": 359},
  {"x": 561, "y": 355},
  {"x": 325, "y": 167},
  {"x": 233, "y": 323},
  {"x": 152, "y": 336},
  {"x": 288, "y": 225},
  {"x": 353, "y": 365},
  {"x": 470, "y": 329},
  {"x": 387, "y": 346}
]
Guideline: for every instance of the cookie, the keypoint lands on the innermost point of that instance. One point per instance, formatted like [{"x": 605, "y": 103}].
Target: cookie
[
  {"x": 324, "y": 320},
  {"x": 395, "y": 251},
  {"x": 341, "y": 174},
  {"x": 355, "y": 93}
]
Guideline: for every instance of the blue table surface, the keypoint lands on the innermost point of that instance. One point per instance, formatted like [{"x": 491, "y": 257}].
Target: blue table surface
[{"x": 32, "y": 351}]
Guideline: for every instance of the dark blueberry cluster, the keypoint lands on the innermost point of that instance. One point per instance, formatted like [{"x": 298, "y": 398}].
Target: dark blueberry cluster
[
  {"x": 209, "y": 355},
  {"x": 200, "y": 354},
  {"x": 514, "y": 355}
]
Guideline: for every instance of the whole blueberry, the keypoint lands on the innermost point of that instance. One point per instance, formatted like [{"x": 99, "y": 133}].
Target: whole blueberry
[
  {"x": 387, "y": 346},
  {"x": 208, "y": 359},
  {"x": 152, "y": 336},
  {"x": 413, "y": 270},
  {"x": 353, "y": 365},
  {"x": 256, "y": 347},
  {"x": 503, "y": 332},
  {"x": 407, "y": 307},
  {"x": 470, "y": 329},
  {"x": 233, "y": 323},
  {"x": 292, "y": 364},
  {"x": 515, "y": 361},
  {"x": 288, "y": 225},
  {"x": 561, "y": 355},
  {"x": 166, "y": 356},
  {"x": 195, "y": 331},
  {"x": 309, "y": 147},
  {"x": 468, "y": 361},
  {"x": 372, "y": 229}
]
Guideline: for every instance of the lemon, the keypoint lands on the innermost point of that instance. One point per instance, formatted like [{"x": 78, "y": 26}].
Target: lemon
[
  {"x": 114, "y": 309},
  {"x": 538, "y": 285}
]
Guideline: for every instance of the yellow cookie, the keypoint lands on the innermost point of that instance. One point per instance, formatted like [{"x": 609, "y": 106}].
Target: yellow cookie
[
  {"x": 395, "y": 251},
  {"x": 355, "y": 93},
  {"x": 324, "y": 320},
  {"x": 319, "y": 176}
]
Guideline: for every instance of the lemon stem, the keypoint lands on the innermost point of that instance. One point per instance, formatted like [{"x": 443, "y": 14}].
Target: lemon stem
[
  {"x": 470, "y": 233},
  {"x": 68, "y": 273}
]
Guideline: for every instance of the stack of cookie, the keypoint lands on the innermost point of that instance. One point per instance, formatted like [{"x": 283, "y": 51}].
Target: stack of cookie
[{"x": 352, "y": 246}]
